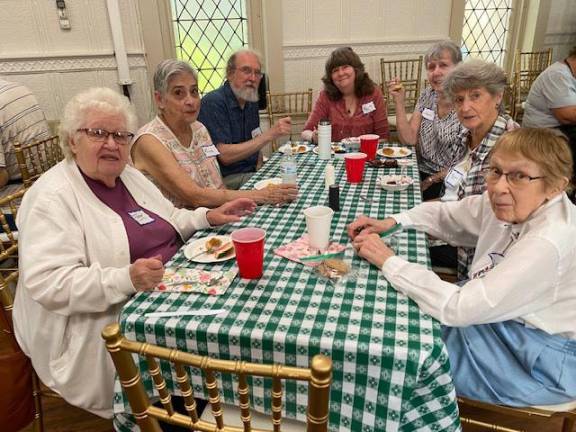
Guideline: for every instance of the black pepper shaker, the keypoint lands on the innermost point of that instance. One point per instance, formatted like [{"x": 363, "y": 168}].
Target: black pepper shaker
[{"x": 334, "y": 197}]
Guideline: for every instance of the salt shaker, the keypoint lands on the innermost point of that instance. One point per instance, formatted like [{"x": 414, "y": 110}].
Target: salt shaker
[
  {"x": 324, "y": 139},
  {"x": 329, "y": 176}
]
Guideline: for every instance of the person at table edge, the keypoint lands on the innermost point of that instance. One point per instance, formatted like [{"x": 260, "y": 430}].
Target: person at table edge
[
  {"x": 93, "y": 231},
  {"x": 475, "y": 88},
  {"x": 511, "y": 328},
  {"x": 21, "y": 120},
  {"x": 433, "y": 127},
  {"x": 176, "y": 153},
  {"x": 351, "y": 101},
  {"x": 230, "y": 113},
  {"x": 551, "y": 101}
]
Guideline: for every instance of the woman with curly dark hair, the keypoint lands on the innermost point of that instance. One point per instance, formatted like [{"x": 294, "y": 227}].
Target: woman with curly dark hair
[{"x": 351, "y": 101}]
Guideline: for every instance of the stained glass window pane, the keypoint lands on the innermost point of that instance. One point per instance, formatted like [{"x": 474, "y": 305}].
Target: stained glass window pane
[
  {"x": 485, "y": 31},
  {"x": 207, "y": 32}
]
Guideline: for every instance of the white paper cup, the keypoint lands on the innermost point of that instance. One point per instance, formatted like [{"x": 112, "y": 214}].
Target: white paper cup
[{"x": 318, "y": 220}]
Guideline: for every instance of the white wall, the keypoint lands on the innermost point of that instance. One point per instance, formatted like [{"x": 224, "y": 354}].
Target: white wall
[
  {"x": 561, "y": 29},
  {"x": 56, "y": 64},
  {"x": 373, "y": 28}
]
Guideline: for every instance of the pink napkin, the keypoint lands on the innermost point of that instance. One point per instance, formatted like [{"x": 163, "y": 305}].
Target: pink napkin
[
  {"x": 301, "y": 248},
  {"x": 196, "y": 281}
]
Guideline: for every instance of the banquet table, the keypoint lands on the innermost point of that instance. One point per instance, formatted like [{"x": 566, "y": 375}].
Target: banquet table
[{"x": 390, "y": 366}]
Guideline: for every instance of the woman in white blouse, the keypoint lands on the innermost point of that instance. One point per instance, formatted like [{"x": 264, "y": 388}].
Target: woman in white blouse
[{"x": 511, "y": 328}]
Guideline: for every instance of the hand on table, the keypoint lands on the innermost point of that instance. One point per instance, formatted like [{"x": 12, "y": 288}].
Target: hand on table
[
  {"x": 231, "y": 211},
  {"x": 372, "y": 248},
  {"x": 280, "y": 194},
  {"x": 366, "y": 225},
  {"x": 146, "y": 273}
]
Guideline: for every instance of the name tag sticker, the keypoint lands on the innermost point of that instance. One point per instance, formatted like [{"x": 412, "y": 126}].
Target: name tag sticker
[
  {"x": 210, "y": 151},
  {"x": 141, "y": 217},
  {"x": 454, "y": 178},
  {"x": 256, "y": 132},
  {"x": 368, "y": 107},
  {"x": 428, "y": 114}
]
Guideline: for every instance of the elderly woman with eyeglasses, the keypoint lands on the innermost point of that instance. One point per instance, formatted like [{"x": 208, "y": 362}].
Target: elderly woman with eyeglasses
[
  {"x": 93, "y": 231},
  {"x": 511, "y": 328}
]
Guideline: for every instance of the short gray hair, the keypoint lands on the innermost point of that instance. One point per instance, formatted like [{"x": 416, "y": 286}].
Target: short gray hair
[
  {"x": 475, "y": 74},
  {"x": 166, "y": 70},
  {"x": 436, "y": 51},
  {"x": 231, "y": 64},
  {"x": 102, "y": 100}
]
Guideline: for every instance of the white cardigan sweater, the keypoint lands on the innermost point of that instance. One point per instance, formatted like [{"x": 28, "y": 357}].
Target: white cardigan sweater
[{"x": 74, "y": 263}]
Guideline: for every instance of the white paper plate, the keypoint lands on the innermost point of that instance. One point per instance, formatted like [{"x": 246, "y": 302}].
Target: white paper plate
[
  {"x": 298, "y": 147},
  {"x": 199, "y": 245},
  {"x": 335, "y": 147},
  {"x": 394, "y": 152},
  {"x": 395, "y": 182},
  {"x": 264, "y": 183}
]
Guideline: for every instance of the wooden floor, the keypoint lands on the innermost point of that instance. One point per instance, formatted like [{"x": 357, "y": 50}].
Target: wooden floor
[{"x": 61, "y": 417}]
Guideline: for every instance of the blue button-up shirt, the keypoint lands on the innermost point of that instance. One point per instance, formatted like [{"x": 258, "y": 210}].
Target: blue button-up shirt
[{"x": 228, "y": 123}]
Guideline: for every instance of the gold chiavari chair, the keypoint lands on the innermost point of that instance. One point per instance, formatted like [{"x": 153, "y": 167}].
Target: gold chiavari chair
[
  {"x": 527, "y": 67},
  {"x": 36, "y": 158},
  {"x": 409, "y": 71},
  {"x": 8, "y": 279},
  {"x": 297, "y": 105},
  {"x": 319, "y": 378},
  {"x": 567, "y": 412},
  {"x": 9, "y": 249}
]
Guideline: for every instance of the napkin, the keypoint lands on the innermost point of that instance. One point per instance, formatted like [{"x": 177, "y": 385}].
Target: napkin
[
  {"x": 196, "y": 281},
  {"x": 301, "y": 248}
]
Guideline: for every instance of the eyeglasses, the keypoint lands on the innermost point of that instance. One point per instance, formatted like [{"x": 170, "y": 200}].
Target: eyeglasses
[
  {"x": 101, "y": 135},
  {"x": 514, "y": 178},
  {"x": 247, "y": 70}
]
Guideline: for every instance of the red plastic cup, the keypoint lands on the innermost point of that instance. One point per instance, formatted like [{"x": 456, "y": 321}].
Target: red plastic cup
[
  {"x": 369, "y": 145},
  {"x": 355, "y": 163},
  {"x": 249, "y": 246}
]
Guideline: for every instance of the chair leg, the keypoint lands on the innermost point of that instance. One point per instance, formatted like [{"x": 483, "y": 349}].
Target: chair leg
[
  {"x": 38, "y": 415},
  {"x": 568, "y": 425}
]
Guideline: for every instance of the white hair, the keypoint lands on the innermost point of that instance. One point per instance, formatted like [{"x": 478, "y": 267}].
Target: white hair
[{"x": 84, "y": 104}]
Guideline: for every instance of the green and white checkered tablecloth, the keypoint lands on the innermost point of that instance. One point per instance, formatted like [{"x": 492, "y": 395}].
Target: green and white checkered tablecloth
[{"x": 391, "y": 369}]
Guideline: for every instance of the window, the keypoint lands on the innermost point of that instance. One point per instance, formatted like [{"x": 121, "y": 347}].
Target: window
[
  {"x": 486, "y": 28},
  {"x": 206, "y": 32}
]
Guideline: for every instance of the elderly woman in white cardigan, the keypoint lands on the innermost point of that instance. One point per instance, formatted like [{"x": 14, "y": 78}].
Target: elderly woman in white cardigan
[
  {"x": 93, "y": 231},
  {"x": 510, "y": 329}
]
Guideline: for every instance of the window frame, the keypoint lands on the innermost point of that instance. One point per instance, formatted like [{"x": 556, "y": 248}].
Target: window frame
[{"x": 263, "y": 18}]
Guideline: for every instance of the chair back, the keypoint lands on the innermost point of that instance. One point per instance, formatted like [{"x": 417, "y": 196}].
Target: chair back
[
  {"x": 36, "y": 158},
  {"x": 409, "y": 72},
  {"x": 9, "y": 250},
  {"x": 297, "y": 105},
  {"x": 527, "y": 67},
  {"x": 319, "y": 378},
  {"x": 501, "y": 413}
]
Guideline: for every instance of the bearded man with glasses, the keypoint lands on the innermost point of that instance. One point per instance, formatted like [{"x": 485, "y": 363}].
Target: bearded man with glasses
[{"x": 230, "y": 113}]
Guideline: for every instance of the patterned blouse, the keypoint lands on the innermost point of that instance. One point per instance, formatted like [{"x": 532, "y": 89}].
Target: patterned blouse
[
  {"x": 439, "y": 142},
  {"x": 474, "y": 183},
  {"x": 202, "y": 169},
  {"x": 370, "y": 116}
]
